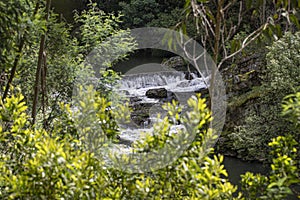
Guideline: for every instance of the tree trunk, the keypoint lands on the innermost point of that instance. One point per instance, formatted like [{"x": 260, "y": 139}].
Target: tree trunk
[
  {"x": 39, "y": 67},
  {"x": 216, "y": 44}
]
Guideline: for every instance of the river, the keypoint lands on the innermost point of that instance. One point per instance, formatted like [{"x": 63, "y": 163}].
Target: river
[{"x": 234, "y": 166}]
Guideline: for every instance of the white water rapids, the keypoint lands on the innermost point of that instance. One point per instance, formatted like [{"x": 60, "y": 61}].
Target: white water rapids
[{"x": 137, "y": 85}]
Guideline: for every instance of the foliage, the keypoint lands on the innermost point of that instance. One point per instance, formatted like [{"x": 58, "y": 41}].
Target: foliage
[
  {"x": 162, "y": 130},
  {"x": 62, "y": 60},
  {"x": 263, "y": 122},
  {"x": 63, "y": 55},
  {"x": 13, "y": 133},
  {"x": 104, "y": 44},
  {"x": 284, "y": 168},
  {"x": 291, "y": 112},
  {"x": 96, "y": 27},
  {"x": 166, "y": 19},
  {"x": 14, "y": 19},
  {"x": 139, "y": 13},
  {"x": 197, "y": 176},
  {"x": 291, "y": 108},
  {"x": 282, "y": 71},
  {"x": 52, "y": 165},
  {"x": 221, "y": 25},
  {"x": 60, "y": 53},
  {"x": 284, "y": 173},
  {"x": 170, "y": 18},
  {"x": 37, "y": 164},
  {"x": 108, "y": 5}
]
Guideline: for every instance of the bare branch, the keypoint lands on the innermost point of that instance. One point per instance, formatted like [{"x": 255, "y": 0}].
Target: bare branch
[
  {"x": 240, "y": 14},
  {"x": 228, "y": 5},
  {"x": 249, "y": 39},
  {"x": 223, "y": 42},
  {"x": 199, "y": 11}
]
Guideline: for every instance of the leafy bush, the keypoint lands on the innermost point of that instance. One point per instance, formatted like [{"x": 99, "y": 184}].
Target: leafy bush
[
  {"x": 140, "y": 13},
  {"x": 291, "y": 111},
  {"x": 264, "y": 121},
  {"x": 291, "y": 108},
  {"x": 284, "y": 173},
  {"x": 37, "y": 164}
]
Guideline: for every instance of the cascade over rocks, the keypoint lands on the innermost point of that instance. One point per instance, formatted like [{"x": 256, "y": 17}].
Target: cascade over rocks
[{"x": 147, "y": 92}]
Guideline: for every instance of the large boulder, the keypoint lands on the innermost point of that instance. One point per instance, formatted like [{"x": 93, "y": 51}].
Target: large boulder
[{"x": 157, "y": 93}]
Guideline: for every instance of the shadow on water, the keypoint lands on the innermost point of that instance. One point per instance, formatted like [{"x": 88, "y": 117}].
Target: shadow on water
[
  {"x": 139, "y": 58},
  {"x": 236, "y": 167}
]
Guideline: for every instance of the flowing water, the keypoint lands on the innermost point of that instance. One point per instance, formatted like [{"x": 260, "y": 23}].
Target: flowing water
[{"x": 135, "y": 85}]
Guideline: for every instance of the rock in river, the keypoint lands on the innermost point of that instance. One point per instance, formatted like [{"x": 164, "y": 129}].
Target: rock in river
[{"x": 157, "y": 93}]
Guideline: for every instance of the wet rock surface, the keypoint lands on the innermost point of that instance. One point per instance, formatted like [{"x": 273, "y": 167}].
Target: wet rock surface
[
  {"x": 157, "y": 93},
  {"x": 140, "y": 113}
]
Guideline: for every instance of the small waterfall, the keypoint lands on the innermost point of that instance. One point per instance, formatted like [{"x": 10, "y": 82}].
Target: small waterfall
[
  {"x": 137, "y": 81},
  {"x": 174, "y": 81}
]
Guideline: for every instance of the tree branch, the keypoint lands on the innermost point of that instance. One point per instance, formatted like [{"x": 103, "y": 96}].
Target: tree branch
[{"x": 249, "y": 39}]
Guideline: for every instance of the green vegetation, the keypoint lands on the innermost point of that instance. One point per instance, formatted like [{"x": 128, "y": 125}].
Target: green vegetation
[
  {"x": 264, "y": 122},
  {"x": 54, "y": 147},
  {"x": 37, "y": 164},
  {"x": 151, "y": 13}
]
